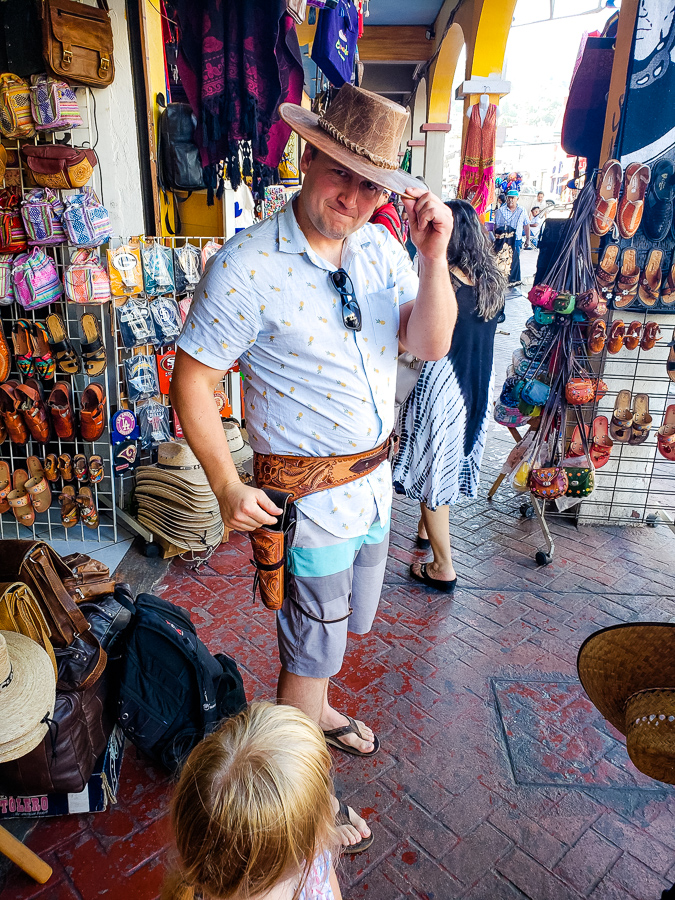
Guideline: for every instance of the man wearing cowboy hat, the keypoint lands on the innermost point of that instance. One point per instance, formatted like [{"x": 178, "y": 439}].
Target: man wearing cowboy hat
[{"x": 313, "y": 302}]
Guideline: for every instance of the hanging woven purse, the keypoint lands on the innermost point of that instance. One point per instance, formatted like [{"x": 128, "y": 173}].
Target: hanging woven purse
[
  {"x": 53, "y": 104},
  {"x": 86, "y": 219},
  {"x": 36, "y": 280},
  {"x": 42, "y": 213},
  {"x": 16, "y": 120},
  {"x": 12, "y": 233},
  {"x": 85, "y": 280}
]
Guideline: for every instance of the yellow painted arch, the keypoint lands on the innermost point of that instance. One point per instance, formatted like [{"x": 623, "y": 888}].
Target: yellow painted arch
[{"x": 442, "y": 73}]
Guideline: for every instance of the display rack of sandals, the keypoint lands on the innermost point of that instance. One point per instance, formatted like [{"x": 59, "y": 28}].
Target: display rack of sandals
[
  {"x": 588, "y": 387},
  {"x": 55, "y": 452}
]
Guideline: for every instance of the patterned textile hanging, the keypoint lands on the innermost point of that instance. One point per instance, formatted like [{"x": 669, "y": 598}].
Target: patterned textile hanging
[{"x": 477, "y": 178}]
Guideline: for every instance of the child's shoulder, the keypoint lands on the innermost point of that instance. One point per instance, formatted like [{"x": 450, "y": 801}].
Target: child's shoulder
[{"x": 317, "y": 886}]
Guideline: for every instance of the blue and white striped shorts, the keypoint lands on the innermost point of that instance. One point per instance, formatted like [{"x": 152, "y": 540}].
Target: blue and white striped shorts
[{"x": 327, "y": 576}]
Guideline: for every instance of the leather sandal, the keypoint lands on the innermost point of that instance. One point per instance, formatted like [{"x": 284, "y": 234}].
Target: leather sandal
[
  {"x": 61, "y": 411},
  {"x": 650, "y": 335},
  {"x": 38, "y": 486},
  {"x": 617, "y": 330},
  {"x": 45, "y": 364},
  {"x": 5, "y": 357},
  {"x": 424, "y": 578},
  {"x": 670, "y": 362},
  {"x": 92, "y": 412},
  {"x": 597, "y": 336},
  {"x": 10, "y": 402},
  {"x": 607, "y": 197},
  {"x": 80, "y": 467},
  {"x": 635, "y": 184},
  {"x": 51, "y": 467},
  {"x": 332, "y": 736},
  {"x": 632, "y": 339},
  {"x": 576, "y": 447},
  {"x": 70, "y": 511},
  {"x": 66, "y": 467},
  {"x": 665, "y": 439},
  {"x": 650, "y": 283},
  {"x": 91, "y": 347},
  {"x": 621, "y": 425},
  {"x": 5, "y": 485},
  {"x": 88, "y": 511},
  {"x": 607, "y": 272},
  {"x": 33, "y": 409},
  {"x": 95, "y": 469},
  {"x": 19, "y": 500},
  {"x": 658, "y": 212},
  {"x": 601, "y": 444},
  {"x": 342, "y": 818},
  {"x": 628, "y": 280},
  {"x": 23, "y": 347},
  {"x": 66, "y": 359},
  {"x": 642, "y": 421},
  {"x": 667, "y": 289}
]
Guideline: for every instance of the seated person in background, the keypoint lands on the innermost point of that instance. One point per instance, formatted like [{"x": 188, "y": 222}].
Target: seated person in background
[{"x": 254, "y": 812}]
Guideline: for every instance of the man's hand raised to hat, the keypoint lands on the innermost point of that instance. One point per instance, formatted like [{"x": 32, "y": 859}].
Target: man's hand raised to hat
[
  {"x": 431, "y": 224},
  {"x": 245, "y": 508}
]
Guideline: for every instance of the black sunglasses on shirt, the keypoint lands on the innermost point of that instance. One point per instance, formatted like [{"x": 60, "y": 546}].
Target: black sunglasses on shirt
[{"x": 351, "y": 311}]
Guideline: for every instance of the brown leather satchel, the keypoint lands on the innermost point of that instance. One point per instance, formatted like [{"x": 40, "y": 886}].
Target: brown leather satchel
[
  {"x": 59, "y": 167},
  {"x": 77, "y": 42},
  {"x": 20, "y": 612},
  {"x": 43, "y": 570},
  {"x": 90, "y": 578}
]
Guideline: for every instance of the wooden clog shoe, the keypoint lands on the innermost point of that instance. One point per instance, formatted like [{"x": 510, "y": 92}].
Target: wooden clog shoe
[
  {"x": 642, "y": 421},
  {"x": 70, "y": 511},
  {"x": 628, "y": 280},
  {"x": 665, "y": 439},
  {"x": 19, "y": 500},
  {"x": 620, "y": 428},
  {"x": 650, "y": 283}
]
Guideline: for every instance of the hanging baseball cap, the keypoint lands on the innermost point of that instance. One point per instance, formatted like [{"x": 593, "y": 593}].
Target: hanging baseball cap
[
  {"x": 361, "y": 130},
  {"x": 27, "y": 694}
]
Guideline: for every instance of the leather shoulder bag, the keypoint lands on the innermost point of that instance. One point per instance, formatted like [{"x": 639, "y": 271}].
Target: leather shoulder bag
[
  {"x": 59, "y": 167},
  {"x": 20, "y": 612},
  {"x": 77, "y": 42}
]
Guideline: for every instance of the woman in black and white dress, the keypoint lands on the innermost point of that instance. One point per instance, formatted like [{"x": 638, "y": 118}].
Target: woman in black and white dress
[{"x": 444, "y": 421}]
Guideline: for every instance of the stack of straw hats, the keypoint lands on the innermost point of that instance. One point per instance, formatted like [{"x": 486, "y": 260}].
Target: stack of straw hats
[
  {"x": 175, "y": 500},
  {"x": 27, "y": 694}
]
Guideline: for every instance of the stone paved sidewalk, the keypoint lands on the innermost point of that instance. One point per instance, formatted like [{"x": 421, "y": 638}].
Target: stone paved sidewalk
[{"x": 497, "y": 779}]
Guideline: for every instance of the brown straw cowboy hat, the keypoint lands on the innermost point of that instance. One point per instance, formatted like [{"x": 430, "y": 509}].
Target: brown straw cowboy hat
[
  {"x": 628, "y": 672},
  {"x": 27, "y": 694},
  {"x": 362, "y": 131}
]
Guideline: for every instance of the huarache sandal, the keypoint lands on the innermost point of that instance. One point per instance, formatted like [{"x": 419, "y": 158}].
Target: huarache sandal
[
  {"x": 576, "y": 447},
  {"x": 642, "y": 421},
  {"x": 621, "y": 425},
  {"x": 342, "y": 817},
  {"x": 617, "y": 330},
  {"x": 38, "y": 486},
  {"x": 5, "y": 356},
  {"x": 19, "y": 500},
  {"x": 437, "y": 583},
  {"x": 670, "y": 362},
  {"x": 650, "y": 283},
  {"x": 650, "y": 335},
  {"x": 601, "y": 443},
  {"x": 668, "y": 288},
  {"x": 80, "y": 467},
  {"x": 88, "y": 511},
  {"x": 66, "y": 467},
  {"x": 51, "y": 467},
  {"x": 45, "y": 364},
  {"x": 635, "y": 184},
  {"x": 95, "y": 468},
  {"x": 66, "y": 358},
  {"x": 33, "y": 409},
  {"x": 70, "y": 511},
  {"x": 665, "y": 439},
  {"x": 607, "y": 197},
  {"x": 628, "y": 280},
  {"x": 23, "y": 347},
  {"x": 597, "y": 336},
  {"x": 5, "y": 486},
  {"x": 607, "y": 272},
  {"x": 92, "y": 349},
  {"x": 632, "y": 338},
  {"x": 333, "y": 734}
]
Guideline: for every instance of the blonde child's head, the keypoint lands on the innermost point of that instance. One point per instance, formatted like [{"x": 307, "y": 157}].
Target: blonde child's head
[{"x": 252, "y": 807}]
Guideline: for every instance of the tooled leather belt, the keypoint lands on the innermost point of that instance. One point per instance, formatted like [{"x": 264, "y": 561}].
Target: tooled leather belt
[{"x": 303, "y": 475}]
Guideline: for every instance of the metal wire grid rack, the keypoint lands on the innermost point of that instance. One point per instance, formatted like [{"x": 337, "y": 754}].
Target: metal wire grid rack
[{"x": 48, "y": 524}]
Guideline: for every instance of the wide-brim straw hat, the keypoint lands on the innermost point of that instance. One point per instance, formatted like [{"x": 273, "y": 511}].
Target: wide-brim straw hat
[
  {"x": 362, "y": 131},
  {"x": 188, "y": 504},
  {"x": 197, "y": 539},
  {"x": 628, "y": 672},
  {"x": 27, "y": 694},
  {"x": 239, "y": 449}
]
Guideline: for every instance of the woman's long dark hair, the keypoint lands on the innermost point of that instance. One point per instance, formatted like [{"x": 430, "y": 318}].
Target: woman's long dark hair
[{"x": 471, "y": 252}]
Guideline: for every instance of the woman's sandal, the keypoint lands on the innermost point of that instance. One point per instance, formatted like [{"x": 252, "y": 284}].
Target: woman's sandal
[
  {"x": 601, "y": 443},
  {"x": 437, "y": 583},
  {"x": 5, "y": 486},
  {"x": 51, "y": 467},
  {"x": 65, "y": 464},
  {"x": 91, "y": 347},
  {"x": 88, "y": 511},
  {"x": 650, "y": 335},
  {"x": 45, "y": 364},
  {"x": 632, "y": 339},
  {"x": 80, "y": 467},
  {"x": 19, "y": 500},
  {"x": 66, "y": 358},
  {"x": 576, "y": 447},
  {"x": 670, "y": 362},
  {"x": 38, "y": 486},
  {"x": 342, "y": 818},
  {"x": 422, "y": 543},
  {"x": 628, "y": 280},
  {"x": 607, "y": 272},
  {"x": 621, "y": 426},
  {"x": 332, "y": 736},
  {"x": 70, "y": 511},
  {"x": 665, "y": 439},
  {"x": 650, "y": 283},
  {"x": 95, "y": 469},
  {"x": 24, "y": 348},
  {"x": 642, "y": 421}
]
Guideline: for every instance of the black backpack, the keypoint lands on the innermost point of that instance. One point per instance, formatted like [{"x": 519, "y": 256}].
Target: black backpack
[
  {"x": 179, "y": 166},
  {"x": 172, "y": 691}
]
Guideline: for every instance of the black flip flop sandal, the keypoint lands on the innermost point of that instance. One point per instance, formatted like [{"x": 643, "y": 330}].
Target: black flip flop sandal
[
  {"x": 342, "y": 818},
  {"x": 446, "y": 586},
  {"x": 333, "y": 734},
  {"x": 423, "y": 543}
]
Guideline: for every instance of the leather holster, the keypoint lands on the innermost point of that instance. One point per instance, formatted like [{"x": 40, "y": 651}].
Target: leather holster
[{"x": 269, "y": 553}]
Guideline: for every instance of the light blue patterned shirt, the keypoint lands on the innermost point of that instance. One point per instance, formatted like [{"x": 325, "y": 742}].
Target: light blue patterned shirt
[{"x": 311, "y": 387}]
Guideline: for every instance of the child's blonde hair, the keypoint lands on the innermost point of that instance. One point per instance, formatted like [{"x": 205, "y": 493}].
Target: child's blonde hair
[{"x": 252, "y": 806}]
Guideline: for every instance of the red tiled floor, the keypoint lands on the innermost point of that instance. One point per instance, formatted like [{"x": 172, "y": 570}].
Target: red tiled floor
[{"x": 497, "y": 779}]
